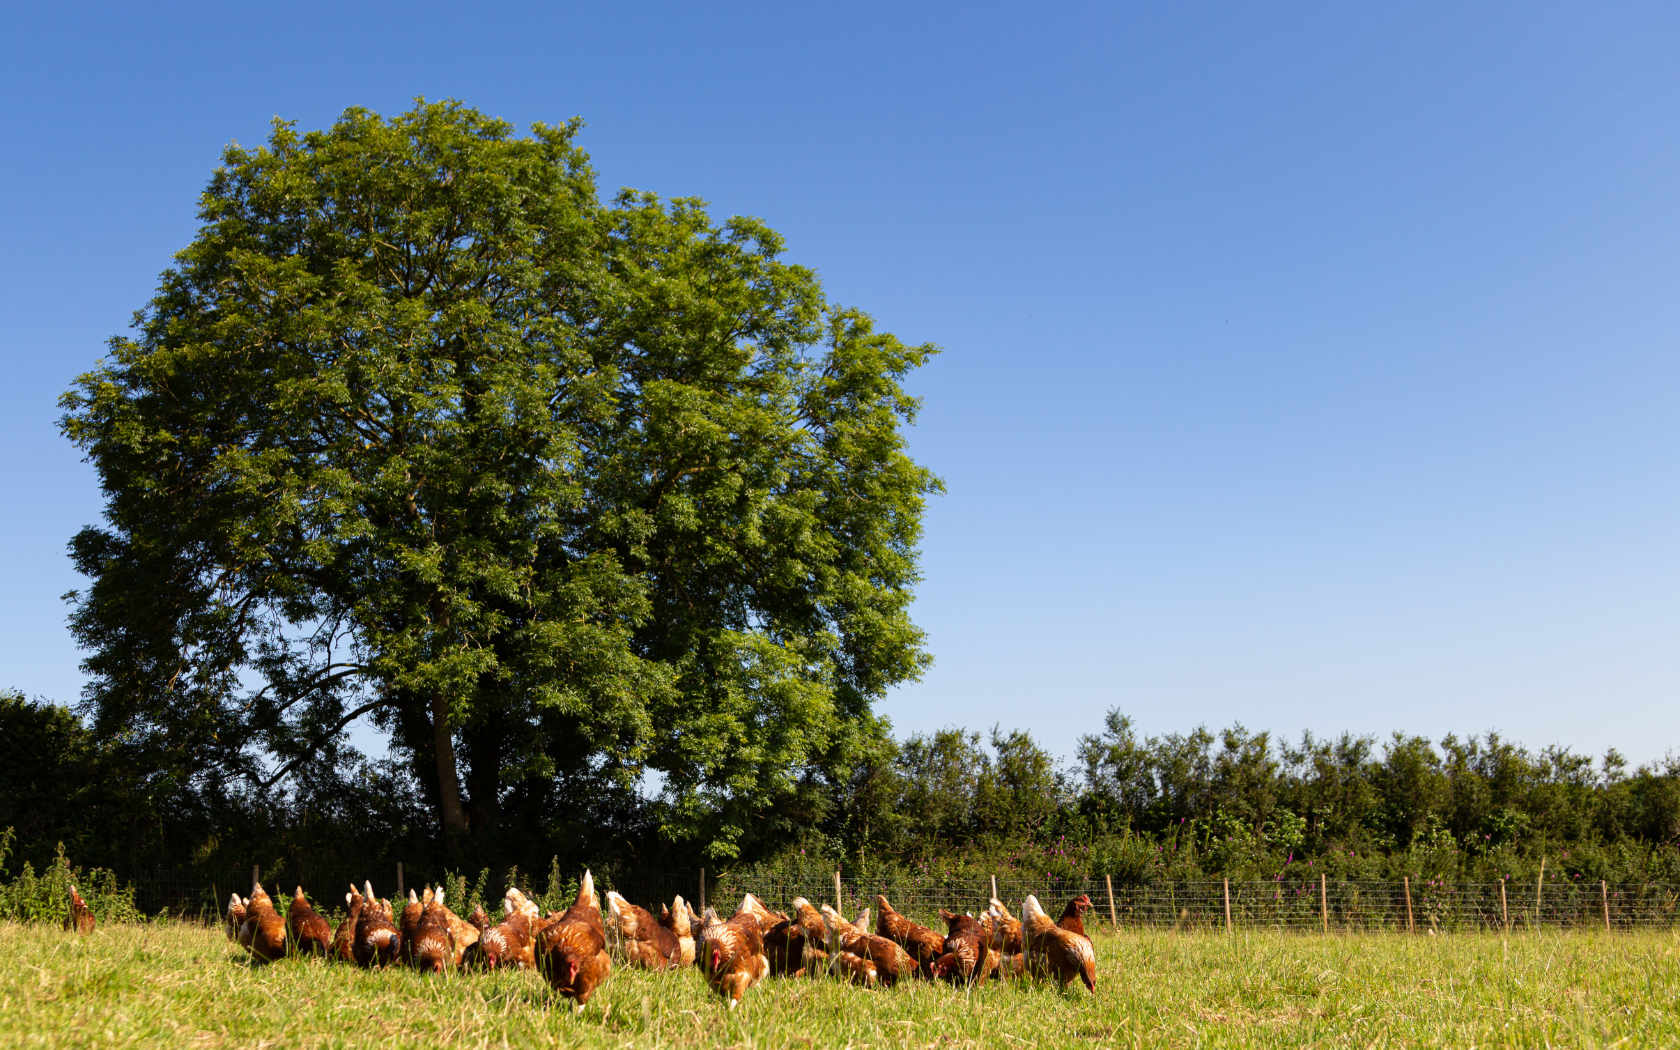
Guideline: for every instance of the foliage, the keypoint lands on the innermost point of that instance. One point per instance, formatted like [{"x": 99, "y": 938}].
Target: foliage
[
  {"x": 60, "y": 787},
  {"x": 45, "y": 897},
  {"x": 556, "y": 492},
  {"x": 1183, "y": 807}
]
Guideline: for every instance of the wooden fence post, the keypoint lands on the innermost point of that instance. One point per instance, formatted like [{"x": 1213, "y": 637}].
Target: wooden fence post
[
  {"x": 1113, "y": 919},
  {"x": 1406, "y": 884},
  {"x": 1539, "y": 885},
  {"x": 1323, "y": 903},
  {"x": 1604, "y": 896},
  {"x": 1504, "y": 912},
  {"x": 839, "y": 905},
  {"x": 400, "y": 893},
  {"x": 702, "y": 891},
  {"x": 1227, "y": 905},
  {"x": 254, "y": 870},
  {"x": 994, "y": 888}
]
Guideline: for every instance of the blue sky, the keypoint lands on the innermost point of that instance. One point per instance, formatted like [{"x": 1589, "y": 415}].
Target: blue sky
[{"x": 1310, "y": 367}]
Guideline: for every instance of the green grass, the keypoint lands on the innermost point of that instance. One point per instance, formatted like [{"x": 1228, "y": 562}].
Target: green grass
[{"x": 187, "y": 988}]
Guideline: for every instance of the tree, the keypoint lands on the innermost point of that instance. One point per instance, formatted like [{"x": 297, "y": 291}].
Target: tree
[
  {"x": 1119, "y": 772},
  {"x": 1018, "y": 790},
  {"x": 939, "y": 773},
  {"x": 52, "y": 785},
  {"x": 556, "y": 492},
  {"x": 1411, "y": 785}
]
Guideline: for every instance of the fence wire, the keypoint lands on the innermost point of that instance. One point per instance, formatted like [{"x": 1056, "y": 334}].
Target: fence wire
[
  {"x": 1304, "y": 905},
  {"x": 1330, "y": 905}
]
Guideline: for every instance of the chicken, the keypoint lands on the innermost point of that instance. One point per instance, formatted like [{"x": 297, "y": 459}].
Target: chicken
[
  {"x": 646, "y": 943},
  {"x": 80, "y": 916},
  {"x": 1007, "y": 929},
  {"x": 463, "y": 933},
  {"x": 923, "y": 944},
  {"x": 680, "y": 920},
  {"x": 784, "y": 942},
  {"x": 733, "y": 953},
  {"x": 409, "y": 923},
  {"x": 967, "y": 954},
  {"x": 528, "y": 907},
  {"x": 816, "y": 936},
  {"x": 1073, "y": 916},
  {"x": 521, "y": 903},
  {"x": 1060, "y": 953},
  {"x": 263, "y": 932},
  {"x": 378, "y": 941},
  {"x": 509, "y": 943},
  {"x": 810, "y": 921},
  {"x": 309, "y": 932},
  {"x": 854, "y": 968},
  {"x": 235, "y": 916},
  {"x": 344, "y": 938},
  {"x": 433, "y": 947},
  {"x": 1003, "y": 932},
  {"x": 479, "y": 919},
  {"x": 572, "y": 951},
  {"x": 892, "y": 962},
  {"x": 784, "y": 946},
  {"x": 751, "y": 905}
]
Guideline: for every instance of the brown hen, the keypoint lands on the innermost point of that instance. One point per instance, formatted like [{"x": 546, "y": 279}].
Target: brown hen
[
  {"x": 378, "y": 941},
  {"x": 892, "y": 962},
  {"x": 680, "y": 920},
  {"x": 509, "y": 943},
  {"x": 80, "y": 917},
  {"x": 967, "y": 955},
  {"x": 751, "y": 905},
  {"x": 1073, "y": 916},
  {"x": 264, "y": 932},
  {"x": 732, "y": 953},
  {"x": 923, "y": 944},
  {"x": 646, "y": 943},
  {"x": 235, "y": 916},
  {"x": 1006, "y": 928},
  {"x": 432, "y": 948},
  {"x": 344, "y": 938},
  {"x": 309, "y": 931},
  {"x": 572, "y": 952},
  {"x": 1059, "y": 953}
]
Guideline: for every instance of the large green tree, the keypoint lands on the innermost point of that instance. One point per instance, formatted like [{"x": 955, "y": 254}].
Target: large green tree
[{"x": 557, "y": 491}]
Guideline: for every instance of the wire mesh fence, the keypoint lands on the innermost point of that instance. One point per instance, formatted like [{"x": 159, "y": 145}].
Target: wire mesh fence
[
  {"x": 1322, "y": 905},
  {"x": 1302, "y": 904}
]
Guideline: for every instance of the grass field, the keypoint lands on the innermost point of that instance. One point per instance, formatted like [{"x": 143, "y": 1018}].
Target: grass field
[{"x": 186, "y": 987}]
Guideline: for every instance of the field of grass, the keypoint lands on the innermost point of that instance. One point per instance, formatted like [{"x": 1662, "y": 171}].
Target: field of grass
[{"x": 188, "y": 988}]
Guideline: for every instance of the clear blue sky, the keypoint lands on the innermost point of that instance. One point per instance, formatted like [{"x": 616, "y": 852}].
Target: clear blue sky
[{"x": 1312, "y": 368}]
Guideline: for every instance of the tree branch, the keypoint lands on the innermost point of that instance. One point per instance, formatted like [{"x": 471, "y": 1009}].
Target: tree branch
[{"x": 318, "y": 741}]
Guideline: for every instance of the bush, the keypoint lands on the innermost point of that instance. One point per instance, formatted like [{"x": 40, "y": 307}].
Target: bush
[{"x": 46, "y": 897}]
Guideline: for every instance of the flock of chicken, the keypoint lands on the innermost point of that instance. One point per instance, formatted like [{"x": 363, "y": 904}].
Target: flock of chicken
[{"x": 570, "y": 948}]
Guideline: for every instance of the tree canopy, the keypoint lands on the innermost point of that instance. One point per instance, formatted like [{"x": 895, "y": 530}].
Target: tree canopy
[{"x": 575, "y": 499}]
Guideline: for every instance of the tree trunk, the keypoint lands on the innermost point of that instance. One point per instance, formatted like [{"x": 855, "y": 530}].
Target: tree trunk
[
  {"x": 484, "y": 781},
  {"x": 451, "y": 813}
]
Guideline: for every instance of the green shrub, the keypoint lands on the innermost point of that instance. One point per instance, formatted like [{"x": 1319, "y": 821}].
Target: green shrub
[{"x": 45, "y": 897}]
